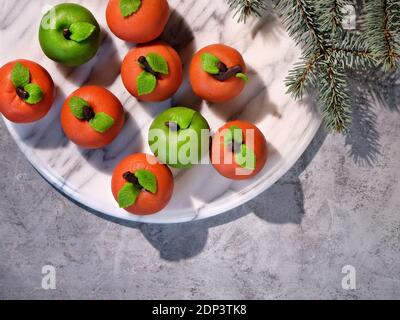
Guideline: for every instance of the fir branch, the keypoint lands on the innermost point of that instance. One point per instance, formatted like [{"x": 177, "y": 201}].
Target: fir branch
[
  {"x": 301, "y": 21},
  {"x": 382, "y": 23},
  {"x": 332, "y": 14},
  {"x": 329, "y": 51},
  {"x": 351, "y": 51},
  {"x": 246, "y": 8},
  {"x": 334, "y": 98},
  {"x": 302, "y": 76}
]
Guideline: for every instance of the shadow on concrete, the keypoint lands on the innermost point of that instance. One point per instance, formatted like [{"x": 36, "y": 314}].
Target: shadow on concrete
[
  {"x": 371, "y": 92},
  {"x": 282, "y": 203}
]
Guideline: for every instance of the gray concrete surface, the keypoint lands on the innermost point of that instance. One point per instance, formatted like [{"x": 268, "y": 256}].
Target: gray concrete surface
[{"x": 339, "y": 205}]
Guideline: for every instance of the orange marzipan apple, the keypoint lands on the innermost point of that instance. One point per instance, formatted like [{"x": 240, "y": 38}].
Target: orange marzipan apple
[
  {"x": 16, "y": 109},
  {"x": 222, "y": 157},
  {"x": 79, "y": 131},
  {"x": 147, "y": 202},
  {"x": 145, "y": 25},
  {"x": 167, "y": 85},
  {"x": 209, "y": 88}
]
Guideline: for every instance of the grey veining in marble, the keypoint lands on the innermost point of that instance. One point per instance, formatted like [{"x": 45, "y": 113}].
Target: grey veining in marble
[{"x": 338, "y": 205}]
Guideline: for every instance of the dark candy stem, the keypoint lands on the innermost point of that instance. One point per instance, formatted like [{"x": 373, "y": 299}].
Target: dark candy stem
[
  {"x": 22, "y": 93},
  {"x": 88, "y": 113},
  {"x": 226, "y": 73},
  {"x": 143, "y": 61},
  {"x": 222, "y": 67},
  {"x": 67, "y": 33},
  {"x": 130, "y": 177}
]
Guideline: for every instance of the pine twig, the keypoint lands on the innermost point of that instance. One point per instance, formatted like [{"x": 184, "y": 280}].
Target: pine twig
[
  {"x": 382, "y": 23},
  {"x": 301, "y": 21},
  {"x": 302, "y": 76},
  {"x": 330, "y": 51},
  {"x": 351, "y": 50},
  {"x": 246, "y": 8},
  {"x": 334, "y": 98},
  {"x": 332, "y": 13}
]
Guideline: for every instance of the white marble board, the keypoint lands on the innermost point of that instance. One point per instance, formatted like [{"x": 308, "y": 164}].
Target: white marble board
[{"x": 200, "y": 192}]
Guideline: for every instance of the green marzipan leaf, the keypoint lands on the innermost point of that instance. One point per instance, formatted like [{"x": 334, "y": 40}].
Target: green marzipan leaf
[
  {"x": 35, "y": 93},
  {"x": 80, "y": 31},
  {"x": 20, "y": 75},
  {"x": 147, "y": 180},
  {"x": 242, "y": 76},
  {"x": 127, "y": 195},
  {"x": 101, "y": 122},
  {"x": 209, "y": 63},
  {"x": 235, "y": 134},
  {"x": 129, "y": 7},
  {"x": 145, "y": 83},
  {"x": 157, "y": 63},
  {"x": 184, "y": 118},
  {"x": 246, "y": 158},
  {"x": 76, "y": 105}
]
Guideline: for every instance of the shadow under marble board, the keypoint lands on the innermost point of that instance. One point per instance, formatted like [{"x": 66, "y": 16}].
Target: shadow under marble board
[{"x": 199, "y": 192}]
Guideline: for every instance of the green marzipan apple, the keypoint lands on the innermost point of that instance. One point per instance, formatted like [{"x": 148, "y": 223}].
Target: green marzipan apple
[
  {"x": 181, "y": 130},
  {"x": 55, "y": 34}
]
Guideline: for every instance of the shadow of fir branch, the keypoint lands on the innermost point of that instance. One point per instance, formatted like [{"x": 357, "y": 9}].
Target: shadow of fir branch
[{"x": 372, "y": 91}]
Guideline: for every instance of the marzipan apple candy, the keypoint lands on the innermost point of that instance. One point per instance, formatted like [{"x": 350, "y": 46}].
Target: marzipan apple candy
[
  {"x": 69, "y": 34},
  {"x": 26, "y": 91}
]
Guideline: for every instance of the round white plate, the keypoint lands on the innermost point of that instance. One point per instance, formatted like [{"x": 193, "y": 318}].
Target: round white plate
[{"x": 200, "y": 192}]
